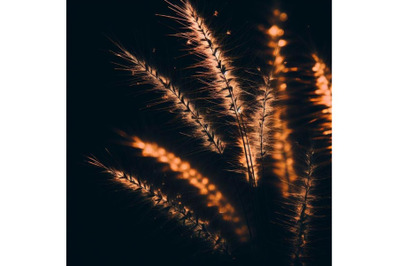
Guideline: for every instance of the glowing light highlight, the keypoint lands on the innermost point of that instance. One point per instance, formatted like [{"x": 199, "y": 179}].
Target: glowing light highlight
[
  {"x": 224, "y": 85},
  {"x": 282, "y": 149},
  {"x": 180, "y": 103},
  {"x": 261, "y": 124},
  {"x": 323, "y": 93},
  {"x": 205, "y": 187},
  {"x": 176, "y": 210}
]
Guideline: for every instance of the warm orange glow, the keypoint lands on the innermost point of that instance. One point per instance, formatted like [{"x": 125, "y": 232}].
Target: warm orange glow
[
  {"x": 301, "y": 203},
  {"x": 282, "y": 149},
  {"x": 247, "y": 156},
  {"x": 323, "y": 82},
  {"x": 194, "y": 178},
  {"x": 323, "y": 93},
  {"x": 173, "y": 94},
  {"x": 261, "y": 123},
  {"x": 284, "y": 166},
  {"x": 282, "y": 43},
  {"x": 275, "y": 31},
  {"x": 158, "y": 198},
  {"x": 281, "y": 15},
  {"x": 213, "y": 57},
  {"x": 218, "y": 66}
]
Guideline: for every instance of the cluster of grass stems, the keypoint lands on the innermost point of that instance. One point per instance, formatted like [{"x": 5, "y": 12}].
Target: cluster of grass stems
[{"x": 278, "y": 144}]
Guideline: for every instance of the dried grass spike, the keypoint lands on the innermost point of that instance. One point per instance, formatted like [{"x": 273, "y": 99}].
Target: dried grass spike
[
  {"x": 214, "y": 196},
  {"x": 304, "y": 209},
  {"x": 261, "y": 123},
  {"x": 189, "y": 112},
  {"x": 175, "y": 210},
  {"x": 323, "y": 93},
  {"x": 219, "y": 66},
  {"x": 282, "y": 150}
]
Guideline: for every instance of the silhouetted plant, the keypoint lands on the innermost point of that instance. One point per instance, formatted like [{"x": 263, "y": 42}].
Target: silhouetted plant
[{"x": 274, "y": 135}]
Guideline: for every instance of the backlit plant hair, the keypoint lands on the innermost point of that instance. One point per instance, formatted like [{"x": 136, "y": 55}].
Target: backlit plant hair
[{"x": 280, "y": 211}]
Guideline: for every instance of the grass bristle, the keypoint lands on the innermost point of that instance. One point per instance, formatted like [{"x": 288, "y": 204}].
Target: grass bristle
[
  {"x": 173, "y": 94},
  {"x": 174, "y": 209}
]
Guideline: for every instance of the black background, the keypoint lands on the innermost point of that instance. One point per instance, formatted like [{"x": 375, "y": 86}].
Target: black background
[{"x": 104, "y": 227}]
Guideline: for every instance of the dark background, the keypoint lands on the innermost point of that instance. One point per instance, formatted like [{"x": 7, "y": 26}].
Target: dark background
[{"x": 104, "y": 226}]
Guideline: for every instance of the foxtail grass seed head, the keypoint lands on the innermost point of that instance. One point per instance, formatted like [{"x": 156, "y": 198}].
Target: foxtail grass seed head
[
  {"x": 173, "y": 94},
  {"x": 220, "y": 71},
  {"x": 177, "y": 212},
  {"x": 215, "y": 197},
  {"x": 266, "y": 148}
]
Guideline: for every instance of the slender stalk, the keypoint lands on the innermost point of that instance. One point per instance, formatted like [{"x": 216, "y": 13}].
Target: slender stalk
[
  {"x": 175, "y": 210},
  {"x": 172, "y": 93},
  {"x": 261, "y": 122},
  {"x": 205, "y": 45},
  {"x": 304, "y": 209},
  {"x": 282, "y": 147},
  {"x": 215, "y": 198}
]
